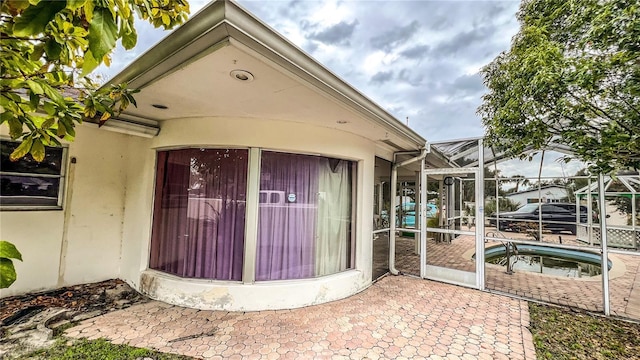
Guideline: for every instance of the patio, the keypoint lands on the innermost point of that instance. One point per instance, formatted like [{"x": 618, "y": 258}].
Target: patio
[
  {"x": 585, "y": 293},
  {"x": 397, "y": 317}
]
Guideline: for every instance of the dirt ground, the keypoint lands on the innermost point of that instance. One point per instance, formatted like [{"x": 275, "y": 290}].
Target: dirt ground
[
  {"x": 102, "y": 296},
  {"x": 31, "y": 322}
]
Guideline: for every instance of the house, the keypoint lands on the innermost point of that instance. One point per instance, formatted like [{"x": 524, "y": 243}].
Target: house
[
  {"x": 245, "y": 178},
  {"x": 546, "y": 194}
]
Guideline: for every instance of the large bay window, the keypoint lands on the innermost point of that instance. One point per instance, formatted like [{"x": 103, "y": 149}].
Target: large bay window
[
  {"x": 199, "y": 212},
  {"x": 305, "y": 212},
  {"x": 305, "y": 215}
]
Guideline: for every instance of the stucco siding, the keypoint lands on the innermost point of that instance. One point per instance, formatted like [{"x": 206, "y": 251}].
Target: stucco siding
[
  {"x": 87, "y": 248},
  {"x": 243, "y": 132}
]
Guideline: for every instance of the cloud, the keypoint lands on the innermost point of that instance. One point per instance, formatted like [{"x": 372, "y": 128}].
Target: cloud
[
  {"x": 395, "y": 37},
  {"x": 382, "y": 77},
  {"x": 468, "y": 84},
  {"x": 338, "y": 34},
  {"x": 552, "y": 166},
  {"x": 463, "y": 41},
  {"x": 416, "y": 52},
  {"x": 411, "y": 77}
]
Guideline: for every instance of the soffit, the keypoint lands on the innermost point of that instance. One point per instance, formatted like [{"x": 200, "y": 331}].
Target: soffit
[
  {"x": 192, "y": 79},
  {"x": 205, "y": 88}
]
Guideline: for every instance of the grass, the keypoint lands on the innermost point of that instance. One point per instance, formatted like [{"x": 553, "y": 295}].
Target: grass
[
  {"x": 561, "y": 333},
  {"x": 97, "y": 349}
]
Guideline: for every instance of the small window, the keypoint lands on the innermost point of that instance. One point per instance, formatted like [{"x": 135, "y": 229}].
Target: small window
[{"x": 28, "y": 184}]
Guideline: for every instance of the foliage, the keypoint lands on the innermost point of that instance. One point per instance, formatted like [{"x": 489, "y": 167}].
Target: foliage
[
  {"x": 490, "y": 177},
  {"x": 98, "y": 349},
  {"x": 518, "y": 180},
  {"x": 577, "y": 182},
  {"x": 572, "y": 77},
  {"x": 8, "y": 253},
  {"x": 560, "y": 333},
  {"x": 48, "y": 50}
]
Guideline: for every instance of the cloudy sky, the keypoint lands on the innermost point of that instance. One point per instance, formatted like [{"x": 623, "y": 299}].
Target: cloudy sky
[{"x": 418, "y": 59}]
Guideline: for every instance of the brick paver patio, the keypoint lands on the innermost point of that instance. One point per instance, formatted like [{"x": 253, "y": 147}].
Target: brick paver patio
[
  {"x": 398, "y": 317},
  {"x": 584, "y": 293}
]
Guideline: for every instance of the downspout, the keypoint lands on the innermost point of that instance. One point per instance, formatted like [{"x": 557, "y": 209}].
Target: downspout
[{"x": 392, "y": 215}]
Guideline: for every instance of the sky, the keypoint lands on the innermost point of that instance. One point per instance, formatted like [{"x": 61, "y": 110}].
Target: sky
[{"x": 420, "y": 60}]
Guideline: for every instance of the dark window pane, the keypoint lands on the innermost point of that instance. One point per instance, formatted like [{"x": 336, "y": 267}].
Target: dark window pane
[
  {"x": 51, "y": 165},
  {"x": 28, "y": 190}
]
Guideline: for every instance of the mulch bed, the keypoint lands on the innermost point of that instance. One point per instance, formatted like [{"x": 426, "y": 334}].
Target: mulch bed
[{"x": 85, "y": 297}]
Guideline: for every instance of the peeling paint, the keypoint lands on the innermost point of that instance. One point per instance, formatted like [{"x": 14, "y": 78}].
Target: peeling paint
[{"x": 219, "y": 297}]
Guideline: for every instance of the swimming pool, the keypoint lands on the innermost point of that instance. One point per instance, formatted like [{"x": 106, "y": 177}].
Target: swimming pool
[{"x": 548, "y": 260}]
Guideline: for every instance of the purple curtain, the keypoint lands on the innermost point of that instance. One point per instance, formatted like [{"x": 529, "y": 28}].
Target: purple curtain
[
  {"x": 287, "y": 216},
  {"x": 199, "y": 213}
]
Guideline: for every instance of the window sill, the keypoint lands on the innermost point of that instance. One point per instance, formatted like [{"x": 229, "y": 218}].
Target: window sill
[{"x": 29, "y": 208}]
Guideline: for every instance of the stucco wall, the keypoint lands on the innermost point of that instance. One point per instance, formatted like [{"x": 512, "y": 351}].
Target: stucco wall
[
  {"x": 94, "y": 212},
  {"x": 243, "y": 132},
  {"x": 109, "y": 214}
]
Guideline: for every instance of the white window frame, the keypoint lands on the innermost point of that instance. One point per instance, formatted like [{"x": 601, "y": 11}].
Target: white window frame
[{"x": 61, "y": 187}]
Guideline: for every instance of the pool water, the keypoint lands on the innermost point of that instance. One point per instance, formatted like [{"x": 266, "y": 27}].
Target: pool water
[
  {"x": 548, "y": 260},
  {"x": 548, "y": 265}
]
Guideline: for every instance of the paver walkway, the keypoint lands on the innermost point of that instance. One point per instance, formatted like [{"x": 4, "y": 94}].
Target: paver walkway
[
  {"x": 398, "y": 317},
  {"x": 585, "y": 293}
]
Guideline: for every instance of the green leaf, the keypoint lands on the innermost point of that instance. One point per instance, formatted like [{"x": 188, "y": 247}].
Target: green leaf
[
  {"x": 34, "y": 100},
  {"x": 75, "y": 4},
  {"x": 53, "y": 94},
  {"x": 35, "y": 87},
  {"x": 34, "y": 19},
  {"x": 38, "y": 50},
  {"x": 50, "y": 108},
  {"x": 37, "y": 150},
  {"x": 7, "y": 273},
  {"x": 15, "y": 127},
  {"x": 90, "y": 63},
  {"x": 52, "y": 49},
  {"x": 48, "y": 123},
  {"x": 9, "y": 251},
  {"x": 62, "y": 130},
  {"x": 103, "y": 33},
  {"x": 22, "y": 149},
  {"x": 129, "y": 39}
]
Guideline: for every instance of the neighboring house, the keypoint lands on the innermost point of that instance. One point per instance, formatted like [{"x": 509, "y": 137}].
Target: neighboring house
[
  {"x": 546, "y": 194},
  {"x": 243, "y": 180}
]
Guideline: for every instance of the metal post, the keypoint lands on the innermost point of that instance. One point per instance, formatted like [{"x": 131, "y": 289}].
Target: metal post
[
  {"x": 590, "y": 212},
  {"x": 633, "y": 220},
  {"x": 418, "y": 212},
  {"x": 443, "y": 215},
  {"x": 423, "y": 220},
  {"x": 392, "y": 222},
  {"x": 603, "y": 241},
  {"x": 479, "y": 176},
  {"x": 507, "y": 247},
  {"x": 381, "y": 202}
]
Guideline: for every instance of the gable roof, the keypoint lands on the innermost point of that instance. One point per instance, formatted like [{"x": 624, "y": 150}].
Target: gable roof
[{"x": 188, "y": 72}]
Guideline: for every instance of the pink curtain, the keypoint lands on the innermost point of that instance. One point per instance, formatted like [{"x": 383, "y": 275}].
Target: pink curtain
[
  {"x": 287, "y": 216},
  {"x": 199, "y": 213}
]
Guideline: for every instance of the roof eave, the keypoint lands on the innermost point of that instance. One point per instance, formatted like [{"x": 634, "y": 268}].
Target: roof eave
[{"x": 221, "y": 20}]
